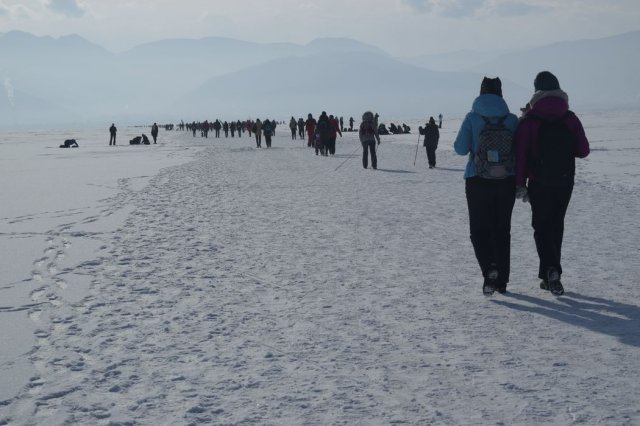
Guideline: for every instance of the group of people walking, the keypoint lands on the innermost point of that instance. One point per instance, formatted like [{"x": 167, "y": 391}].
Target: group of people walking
[
  {"x": 531, "y": 159},
  {"x": 321, "y": 133},
  {"x": 233, "y": 128},
  {"x": 266, "y": 128}
]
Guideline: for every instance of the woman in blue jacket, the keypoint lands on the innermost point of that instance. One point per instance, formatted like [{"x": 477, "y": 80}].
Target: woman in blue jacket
[{"x": 490, "y": 199}]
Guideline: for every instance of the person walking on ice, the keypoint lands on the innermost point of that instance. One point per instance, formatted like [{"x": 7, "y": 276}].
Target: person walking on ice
[
  {"x": 154, "y": 132},
  {"x": 293, "y": 125},
  {"x": 431, "y": 137},
  {"x": 368, "y": 136},
  {"x": 487, "y": 137},
  {"x": 549, "y": 139},
  {"x": 310, "y": 127},
  {"x": 112, "y": 134}
]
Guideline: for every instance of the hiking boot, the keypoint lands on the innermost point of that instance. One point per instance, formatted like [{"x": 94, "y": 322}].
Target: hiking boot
[
  {"x": 553, "y": 280},
  {"x": 544, "y": 284},
  {"x": 556, "y": 288},
  {"x": 490, "y": 283},
  {"x": 501, "y": 288},
  {"x": 488, "y": 287}
]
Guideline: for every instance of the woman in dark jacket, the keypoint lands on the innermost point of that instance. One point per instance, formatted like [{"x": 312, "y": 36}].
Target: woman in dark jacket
[{"x": 546, "y": 131}]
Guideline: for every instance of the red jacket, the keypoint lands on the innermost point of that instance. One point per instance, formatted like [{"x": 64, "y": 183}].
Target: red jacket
[
  {"x": 335, "y": 128},
  {"x": 310, "y": 125}
]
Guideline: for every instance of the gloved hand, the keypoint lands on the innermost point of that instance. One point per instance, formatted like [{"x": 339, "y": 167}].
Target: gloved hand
[{"x": 521, "y": 194}]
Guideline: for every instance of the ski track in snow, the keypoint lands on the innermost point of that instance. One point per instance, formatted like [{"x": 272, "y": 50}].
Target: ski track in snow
[{"x": 276, "y": 287}]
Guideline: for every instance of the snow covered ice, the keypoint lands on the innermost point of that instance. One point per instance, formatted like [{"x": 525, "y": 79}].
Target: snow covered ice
[{"x": 206, "y": 281}]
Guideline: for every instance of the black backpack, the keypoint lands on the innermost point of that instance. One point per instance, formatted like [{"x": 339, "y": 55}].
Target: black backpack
[
  {"x": 367, "y": 129},
  {"x": 495, "y": 158},
  {"x": 555, "y": 163},
  {"x": 324, "y": 128}
]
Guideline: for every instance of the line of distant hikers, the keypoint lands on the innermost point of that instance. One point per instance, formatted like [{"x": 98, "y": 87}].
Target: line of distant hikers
[{"x": 321, "y": 134}]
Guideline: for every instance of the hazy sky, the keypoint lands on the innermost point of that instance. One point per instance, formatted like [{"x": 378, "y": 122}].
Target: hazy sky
[{"x": 401, "y": 27}]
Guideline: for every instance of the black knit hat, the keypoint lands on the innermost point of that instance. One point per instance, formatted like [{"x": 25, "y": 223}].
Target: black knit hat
[
  {"x": 491, "y": 86},
  {"x": 546, "y": 81}
]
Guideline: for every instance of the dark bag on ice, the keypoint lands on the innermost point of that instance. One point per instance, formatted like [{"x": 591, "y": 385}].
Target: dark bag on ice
[
  {"x": 495, "y": 158},
  {"x": 555, "y": 163},
  {"x": 135, "y": 141}
]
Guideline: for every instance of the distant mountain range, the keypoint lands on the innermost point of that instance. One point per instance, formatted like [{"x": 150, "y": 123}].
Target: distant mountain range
[
  {"x": 598, "y": 73},
  {"x": 340, "y": 83},
  {"x": 70, "y": 81}
]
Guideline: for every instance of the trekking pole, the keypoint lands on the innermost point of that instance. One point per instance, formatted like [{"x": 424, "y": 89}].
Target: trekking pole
[{"x": 417, "y": 146}]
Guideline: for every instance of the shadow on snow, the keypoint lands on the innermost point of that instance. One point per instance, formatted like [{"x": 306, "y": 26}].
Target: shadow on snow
[
  {"x": 620, "y": 320},
  {"x": 395, "y": 171}
]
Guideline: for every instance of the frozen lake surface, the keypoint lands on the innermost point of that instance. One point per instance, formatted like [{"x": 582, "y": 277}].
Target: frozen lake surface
[{"x": 207, "y": 281}]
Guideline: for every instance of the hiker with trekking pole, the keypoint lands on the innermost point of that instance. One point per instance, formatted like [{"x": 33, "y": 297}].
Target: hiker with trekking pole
[{"x": 431, "y": 137}]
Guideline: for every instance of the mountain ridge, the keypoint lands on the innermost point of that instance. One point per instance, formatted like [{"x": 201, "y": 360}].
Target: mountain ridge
[{"x": 153, "y": 81}]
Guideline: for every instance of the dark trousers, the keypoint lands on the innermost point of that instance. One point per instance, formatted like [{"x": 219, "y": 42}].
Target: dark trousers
[
  {"x": 490, "y": 203},
  {"x": 549, "y": 205},
  {"x": 268, "y": 139},
  {"x": 431, "y": 156},
  {"x": 258, "y": 140},
  {"x": 112, "y": 139},
  {"x": 369, "y": 146},
  {"x": 293, "y": 133},
  {"x": 331, "y": 146}
]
